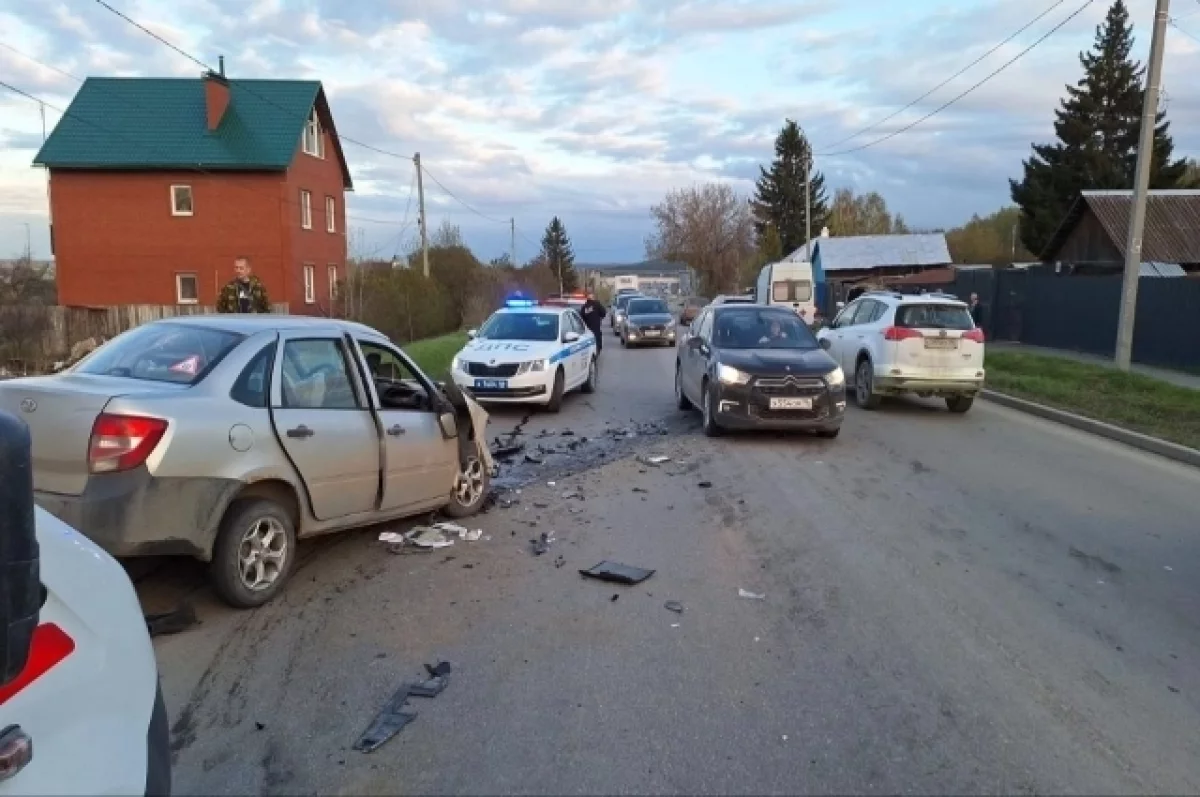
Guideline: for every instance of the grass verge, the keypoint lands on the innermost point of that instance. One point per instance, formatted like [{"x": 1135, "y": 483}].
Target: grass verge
[
  {"x": 433, "y": 355},
  {"x": 1132, "y": 401}
]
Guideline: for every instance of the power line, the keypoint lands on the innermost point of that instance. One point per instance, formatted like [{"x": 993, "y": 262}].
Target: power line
[
  {"x": 950, "y": 79},
  {"x": 969, "y": 90},
  {"x": 1180, "y": 28},
  {"x": 453, "y": 196},
  {"x": 242, "y": 85},
  {"x": 181, "y": 167}
]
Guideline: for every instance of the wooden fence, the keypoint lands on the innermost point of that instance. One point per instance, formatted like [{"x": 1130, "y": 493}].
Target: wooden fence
[{"x": 32, "y": 338}]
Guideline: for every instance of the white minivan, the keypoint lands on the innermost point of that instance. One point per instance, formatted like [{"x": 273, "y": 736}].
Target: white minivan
[
  {"x": 81, "y": 711},
  {"x": 788, "y": 283}
]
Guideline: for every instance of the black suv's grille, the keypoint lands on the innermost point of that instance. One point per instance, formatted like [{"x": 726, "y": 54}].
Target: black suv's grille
[{"x": 483, "y": 369}]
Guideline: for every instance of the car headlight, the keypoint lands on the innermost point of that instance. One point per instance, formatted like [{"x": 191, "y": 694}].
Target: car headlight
[
  {"x": 836, "y": 377},
  {"x": 532, "y": 365},
  {"x": 670, "y": 324},
  {"x": 456, "y": 364},
  {"x": 731, "y": 376}
]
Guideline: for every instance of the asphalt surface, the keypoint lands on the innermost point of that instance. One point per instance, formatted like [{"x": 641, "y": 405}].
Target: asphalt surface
[{"x": 953, "y": 604}]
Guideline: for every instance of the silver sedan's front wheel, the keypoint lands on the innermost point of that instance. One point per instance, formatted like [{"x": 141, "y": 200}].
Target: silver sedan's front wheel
[{"x": 471, "y": 485}]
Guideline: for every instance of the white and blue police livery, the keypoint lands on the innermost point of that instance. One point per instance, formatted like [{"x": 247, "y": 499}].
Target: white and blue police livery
[{"x": 528, "y": 354}]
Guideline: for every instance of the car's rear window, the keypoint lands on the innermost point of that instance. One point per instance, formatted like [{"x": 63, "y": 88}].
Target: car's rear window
[
  {"x": 934, "y": 316},
  {"x": 175, "y": 353},
  {"x": 647, "y": 306}
]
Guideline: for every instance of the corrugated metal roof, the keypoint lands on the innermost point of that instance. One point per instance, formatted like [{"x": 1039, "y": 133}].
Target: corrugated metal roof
[
  {"x": 1172, "y": 232},
  {"x": 1161, "y": 270},
  {"x": 160, "y": 123},
  {"x": 856, "y": 252}
]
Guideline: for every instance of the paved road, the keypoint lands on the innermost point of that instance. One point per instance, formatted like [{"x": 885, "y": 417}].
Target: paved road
[{"x": 953, "y": 604}]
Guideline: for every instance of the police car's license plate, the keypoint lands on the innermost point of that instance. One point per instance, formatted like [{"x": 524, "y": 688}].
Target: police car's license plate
[
  {"x": 491, "y": 384},
  {"x": 791, "y": 404},
  {"x": 652, "y": 333}
]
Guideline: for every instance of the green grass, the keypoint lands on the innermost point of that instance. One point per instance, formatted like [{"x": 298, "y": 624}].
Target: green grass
[
  {"x": 433, "y": 355},
  {"x": 1133, "y": 401}
]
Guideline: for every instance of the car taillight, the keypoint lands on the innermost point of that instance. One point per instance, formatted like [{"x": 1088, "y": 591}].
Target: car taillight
[
  {"x": 974, "y": 334},
  {"x": 901, "y": 333},
  {"x": 49, "y": 646},
  {"x": 122, "y": 442}
]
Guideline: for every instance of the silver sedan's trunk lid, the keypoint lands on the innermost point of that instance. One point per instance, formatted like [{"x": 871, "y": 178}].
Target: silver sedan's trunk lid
[{"x": 60, "y": 411}]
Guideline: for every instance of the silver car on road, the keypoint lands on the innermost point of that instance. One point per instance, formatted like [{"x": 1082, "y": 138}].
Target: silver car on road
[{"x": 229, "y": 437}]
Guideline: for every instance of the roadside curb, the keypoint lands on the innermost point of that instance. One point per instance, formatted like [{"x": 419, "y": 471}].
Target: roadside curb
[{"x": 1154, "y": 445}]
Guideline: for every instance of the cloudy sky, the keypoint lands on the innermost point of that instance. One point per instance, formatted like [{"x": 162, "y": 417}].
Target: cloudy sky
[{"x": 593, "y": 109}]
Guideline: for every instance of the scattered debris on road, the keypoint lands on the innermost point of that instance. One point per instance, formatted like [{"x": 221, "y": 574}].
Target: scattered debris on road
[
  {"x": 507, "y": 452},
  {"x": 704, "y": 485},
  {"x": 559, "y": 561},
  {"x": 674, "y": 606},
  {"x": 532, "y": 460},
  {"x": 542, "y": 543},
  {"x": 173, "y": 622},
  {"x": 617, "y": 573},
  {"x": 754, "y": 596},
  {"x": 615, "y": 597},
  {"x": 439, "y": 670},
  {"x": 397, "y": 713}
]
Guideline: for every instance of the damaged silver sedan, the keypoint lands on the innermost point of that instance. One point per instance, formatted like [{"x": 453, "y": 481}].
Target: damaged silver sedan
[{"x": 228, "y": 438}]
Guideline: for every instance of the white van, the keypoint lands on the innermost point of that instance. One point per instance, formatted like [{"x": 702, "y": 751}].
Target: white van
[
  {"x": 81, "y": 711},
  {"x": 788, "y": 284}
]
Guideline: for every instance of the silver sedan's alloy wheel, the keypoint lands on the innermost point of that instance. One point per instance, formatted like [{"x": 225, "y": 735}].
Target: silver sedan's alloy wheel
[
  {"x": 262, "y": 554},
  {"x": 469, "y": 484}
]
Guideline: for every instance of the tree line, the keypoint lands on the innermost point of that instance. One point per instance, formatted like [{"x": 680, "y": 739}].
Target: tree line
[
  {"x": 395, "y": 297},
  {"x": 727, "y": 238}
]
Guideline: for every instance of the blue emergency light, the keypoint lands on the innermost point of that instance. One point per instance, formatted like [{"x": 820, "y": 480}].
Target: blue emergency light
[{"x": 519, "y": 301}]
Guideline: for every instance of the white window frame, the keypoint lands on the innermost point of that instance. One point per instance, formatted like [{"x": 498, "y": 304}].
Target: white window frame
[
  {"x": 179, "y": 278},
  {"x": 330, "y": 214},
  {"x": 332, "y": 271},
  {"x": 305, "y": 209},
  {"x": 312, "y": 140},
  {"x": 310, "y": 283},
  {"x": 175, "y": 211}
]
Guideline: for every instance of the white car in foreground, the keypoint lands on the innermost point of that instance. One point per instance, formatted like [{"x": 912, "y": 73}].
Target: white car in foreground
[
  {"x": 526, "y": 354},
  {"x": 81, "y": 710},
  {"x": 924, "y": 344}
]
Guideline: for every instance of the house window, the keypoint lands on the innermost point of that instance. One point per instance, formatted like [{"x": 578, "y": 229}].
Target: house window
[
  {"x": 313, "y": 141},
  {"x": 330, "y": 215},
  {"x": 181, "y": 200},
  {"x": 306, "y": 210},
  {"x": 310, "y": 284},
  {"x": 187, "y": 288},
  {"x": 333, "y": 281}
]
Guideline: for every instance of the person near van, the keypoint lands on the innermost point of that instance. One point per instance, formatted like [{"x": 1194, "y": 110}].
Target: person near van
[
  {"x": 244, "y": 293},
  {"x": 976, "y": 309},
  {"x": 593, "y": 314}
]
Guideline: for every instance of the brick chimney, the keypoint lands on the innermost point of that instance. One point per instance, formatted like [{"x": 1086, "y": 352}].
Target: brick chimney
[{"x": 216, "y": 95}]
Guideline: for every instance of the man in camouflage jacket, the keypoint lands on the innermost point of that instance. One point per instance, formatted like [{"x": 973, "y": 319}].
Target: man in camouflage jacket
[{"x": 244, "y": 293}]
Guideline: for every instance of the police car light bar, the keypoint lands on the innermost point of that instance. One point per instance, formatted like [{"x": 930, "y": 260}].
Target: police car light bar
[{"x": 520, "y": 303}]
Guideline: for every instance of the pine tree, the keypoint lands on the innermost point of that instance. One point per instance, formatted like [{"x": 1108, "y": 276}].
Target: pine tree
[
  {"x": 558, "y": 255},
  {"x": 779, "y": 193},
  {"x": 1097, "y": 129}
]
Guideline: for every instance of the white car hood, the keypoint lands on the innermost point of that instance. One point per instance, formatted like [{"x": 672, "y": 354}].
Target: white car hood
[{"x": 500, "y": 352}]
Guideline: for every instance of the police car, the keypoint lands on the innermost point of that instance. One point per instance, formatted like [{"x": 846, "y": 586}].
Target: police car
[{"x": 526, "y": 354}]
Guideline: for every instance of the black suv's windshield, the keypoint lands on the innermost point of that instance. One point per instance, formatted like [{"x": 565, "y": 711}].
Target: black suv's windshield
[
  {"x": 521, "y": 326},
  {"x": 648, "y": 307},
  {"x": 761, "y": 329},
  {"x": 162, "y": 353}
]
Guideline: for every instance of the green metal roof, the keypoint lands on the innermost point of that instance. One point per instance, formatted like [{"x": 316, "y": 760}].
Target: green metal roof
[{"x": 161, "y": 123}]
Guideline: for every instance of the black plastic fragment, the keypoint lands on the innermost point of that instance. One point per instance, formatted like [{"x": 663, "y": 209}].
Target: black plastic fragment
[
  {"x": 390, "y": 720},
  {"x": 674, "y": 606},
  {"x": 704, "y": 485},
  {"x": 617, "y": 573},
  {"x": 174, "y": 622},
  {"x": 442, "y": 668},
  {"x": 431, "y": 688}
]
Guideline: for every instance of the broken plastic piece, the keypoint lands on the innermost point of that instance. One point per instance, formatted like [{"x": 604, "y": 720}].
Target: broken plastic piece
[
  {"x": 507, "y": 452},
  {"x": 439, "y": 670},
  {"x": 754, "y": 596},
  {"x": 428, "y": 537},
  {"x": 617, "y": 573},
  {"x": 674, "y": 606},
  {"x": 394, "y": 537},
  {"x": 431, "y": 688},
  {"x": 390, "y": 720},
  {"x": 183, "y": 618},
  {"x": 473, "y": 535},
  {"x": 658, "y": 460},
  {"x": 704, "y": 485},
  {"x": 451, "y": 528},
  {"x": 542, "y": 543}
]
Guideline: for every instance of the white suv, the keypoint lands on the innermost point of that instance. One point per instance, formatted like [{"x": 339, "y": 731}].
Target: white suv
[{"x": 894, "y": 343}]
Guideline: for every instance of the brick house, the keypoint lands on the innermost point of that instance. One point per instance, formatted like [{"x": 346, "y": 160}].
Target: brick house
[{"x": 156, "y": 185}]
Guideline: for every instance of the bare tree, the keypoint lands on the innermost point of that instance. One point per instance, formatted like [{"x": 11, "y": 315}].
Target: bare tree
[
  {"x": 447, "y": 236},
  {"x": 26, "y": 291},
  {"x": 867, "y": 214},
  {"x": 707, "y": 226}
]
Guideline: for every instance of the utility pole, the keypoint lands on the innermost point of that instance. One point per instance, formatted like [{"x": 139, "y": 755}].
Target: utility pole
[
  {"x": 808, "y": 206},
  {"x": 28, "y": 245},
  {"x": 421, "y": 214},
  {"x": 512, "y": 232},
  {"x": 1141, "y": 184}
]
